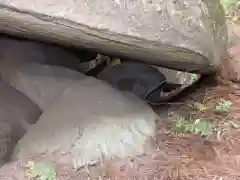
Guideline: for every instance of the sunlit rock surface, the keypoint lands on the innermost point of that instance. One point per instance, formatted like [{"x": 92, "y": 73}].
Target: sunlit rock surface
[
  {"x": 187, "y": 35},
  {"x": 43, "y": 84},
  {"x": 92, "y": 122}
]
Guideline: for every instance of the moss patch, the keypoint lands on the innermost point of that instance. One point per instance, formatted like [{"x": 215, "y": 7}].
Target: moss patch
[{"x": 41, "y": 171}]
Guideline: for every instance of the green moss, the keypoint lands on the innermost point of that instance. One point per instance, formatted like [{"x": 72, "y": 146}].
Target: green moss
[
  {"x": 223, "y": 106},
  {"x": 199, "y": 126},
  {"x": 228, "y": 4},
  {"x": 41, "y": 171}
]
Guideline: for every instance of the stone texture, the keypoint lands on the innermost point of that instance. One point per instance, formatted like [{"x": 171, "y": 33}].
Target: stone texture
[
  {"x": 42, "y": 83},
  {"x": 92, "y": 122},
  {"x": 188, "y": 35},
  {"x": 13, "y": 49},
  {"x": 18, "y": 113}
]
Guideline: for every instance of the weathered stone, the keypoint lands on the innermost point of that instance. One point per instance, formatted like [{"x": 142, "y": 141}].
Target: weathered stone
[
  {"x": 178, "y": 77},
  {"x": 187, "y": 35},
  {"x": 17, "y": 114},
  {"x": 92, "y": 122},
  {"x": 12, "y": 49},
  {"x": 40, "y": 71},
  {"x": 43, "y": 84}
]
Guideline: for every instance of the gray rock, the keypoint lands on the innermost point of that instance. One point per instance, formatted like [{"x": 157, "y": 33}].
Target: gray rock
[
  {"x": 187, "y": 35},
  {"x": 18, "y": 113},
  {"x": 178, "y": 77},
  {"x": 32, "y": 51},
  {"x": 43, "y": 84},
  {"x": 92, "y": 122}
]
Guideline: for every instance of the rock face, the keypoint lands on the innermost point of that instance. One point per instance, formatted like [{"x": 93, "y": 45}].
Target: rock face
[
  {"x": 18, "y": 113},
  {"x": 178, "y": 77},
  {"x": 187, "y": 35},
  {"x": 90, "y": 123},
  {"x": 12, "y": 49},
  {"x": 43, "y": 84}
]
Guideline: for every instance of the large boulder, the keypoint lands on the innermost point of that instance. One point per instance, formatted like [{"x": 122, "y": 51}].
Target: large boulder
[
  {"x": 90, "y": 123},
  {"x": 17, "y": 114},
  {"x": 42, "y": 83},
  {"x": 187, "y": 35},
  {"x": 13, "y": 49}
]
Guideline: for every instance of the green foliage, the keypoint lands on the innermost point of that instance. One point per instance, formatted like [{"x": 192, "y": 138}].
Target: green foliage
[
  {"x": 41, "y": 171},
  {"x": 194, "y": 77},
  {"x": 198, "y": 106},
  {"x": 223, "y": 106},
  {"x": 228, "y": 4},
  {"x": 199, "y": 126}
]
